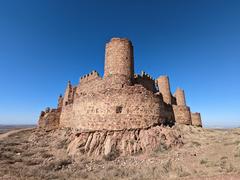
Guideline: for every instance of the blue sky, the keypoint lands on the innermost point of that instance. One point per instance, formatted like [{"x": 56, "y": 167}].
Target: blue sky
[{"x": 43, "y": 44}]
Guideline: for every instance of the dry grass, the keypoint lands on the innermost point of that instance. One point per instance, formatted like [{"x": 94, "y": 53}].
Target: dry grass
[{"x": 36, "y": 154}]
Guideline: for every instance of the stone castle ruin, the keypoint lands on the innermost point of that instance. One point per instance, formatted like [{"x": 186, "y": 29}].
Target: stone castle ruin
[{"x": 120, "y": 100}]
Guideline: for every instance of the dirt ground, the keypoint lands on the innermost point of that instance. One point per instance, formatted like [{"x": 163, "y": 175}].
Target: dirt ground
[{"x": 205, "y": 154}]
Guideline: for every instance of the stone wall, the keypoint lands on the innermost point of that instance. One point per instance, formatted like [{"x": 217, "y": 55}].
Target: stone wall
[
  {"x": 66, "y": 116},
  {"x": 146, "y": 81},
  {"x": 131, "y": 107},
  {"x": 94, "y": 75},
  {"x": 182, "y": 114},
  {"x": 196, "y": 119},
  {"x": 69, "y": 94},
  {"x": 49, "y": 119},
  {"x": 99, "y": 84}
]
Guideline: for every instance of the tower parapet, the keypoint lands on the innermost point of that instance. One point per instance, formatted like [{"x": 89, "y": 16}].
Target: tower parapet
[
  {"x": 145, "y": 80},
  {"x": 164, "y": 88},
  {"x": 119, "y": 60},
  {"x": 89, "y": 77}
]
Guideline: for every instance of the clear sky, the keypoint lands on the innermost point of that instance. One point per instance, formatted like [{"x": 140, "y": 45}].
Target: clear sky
[{"x": 45, "y": 43}]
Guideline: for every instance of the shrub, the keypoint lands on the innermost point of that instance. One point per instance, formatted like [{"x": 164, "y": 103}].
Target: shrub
[
  {"x": 203, "y": 161},
  {"x": 196, "y": 143},
  {"x": 112, "y": 155},
  {"x": 161, "y": 148},
  {"x": 46, "y": 155},
  {"x": 58, "y": 165}
]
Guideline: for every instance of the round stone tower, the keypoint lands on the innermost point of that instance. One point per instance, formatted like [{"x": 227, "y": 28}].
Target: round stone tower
[
  {"x": 164, "y": 88},
  {"x": 180, "y": 97},
  {"x": 119, "y": 63}
]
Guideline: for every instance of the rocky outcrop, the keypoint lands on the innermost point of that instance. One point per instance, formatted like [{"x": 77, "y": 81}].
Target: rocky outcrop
[{"x": 111, "y": 144}]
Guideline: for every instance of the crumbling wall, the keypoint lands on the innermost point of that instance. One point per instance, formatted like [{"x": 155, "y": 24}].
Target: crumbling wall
[
  {"x": 49, "y": 119},
  {"x": 69, "y": 94},
  {"x": 168, "y": 113}
]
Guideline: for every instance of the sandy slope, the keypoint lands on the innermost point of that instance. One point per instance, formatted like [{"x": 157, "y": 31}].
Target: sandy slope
[
  {"x": 206, "y": 154},
  {"x": 12, "y": 132}
]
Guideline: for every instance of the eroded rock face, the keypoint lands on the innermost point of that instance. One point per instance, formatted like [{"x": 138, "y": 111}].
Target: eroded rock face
[{"x": 111, "y": 144}]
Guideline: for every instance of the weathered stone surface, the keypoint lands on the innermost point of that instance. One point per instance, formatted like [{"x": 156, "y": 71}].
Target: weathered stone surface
[
  {"x": 182, "y": 114},
  {"x": 180, "y": 97},
  {"x": 131, "y": 107},
  {"x": 196, "y": 119},
  {"x": 120, "y": 143},
  {"x": 119, "y": 60},
  {"x": 49, "y": 119},
  {"x": 164, "y": 89}
]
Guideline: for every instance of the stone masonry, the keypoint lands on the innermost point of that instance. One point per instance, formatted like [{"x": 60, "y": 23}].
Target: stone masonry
[
  {"x": 196, "y": 119},
  {"x": 120, "y": 100}
]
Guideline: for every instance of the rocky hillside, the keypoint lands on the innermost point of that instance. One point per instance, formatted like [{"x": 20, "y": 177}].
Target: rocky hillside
[{"x": 179, "y": 152}]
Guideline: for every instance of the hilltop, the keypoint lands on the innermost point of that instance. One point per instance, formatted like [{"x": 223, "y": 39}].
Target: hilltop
[{"x": 199, "y": 153}]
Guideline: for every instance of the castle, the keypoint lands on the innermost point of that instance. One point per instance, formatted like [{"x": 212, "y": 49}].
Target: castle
[{"x": 120, "y": 99}]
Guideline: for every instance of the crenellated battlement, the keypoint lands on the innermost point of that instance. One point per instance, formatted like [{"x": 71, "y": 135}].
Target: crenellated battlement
[
  {"x": 143, "y": 75},
  {"x": 145, "y": 80},
  {"x": 89, "y": 77}
]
